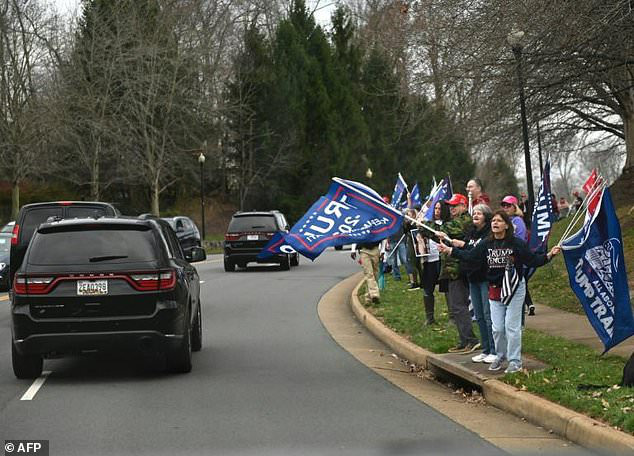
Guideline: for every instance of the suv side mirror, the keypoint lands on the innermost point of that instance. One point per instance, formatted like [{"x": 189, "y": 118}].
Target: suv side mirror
[{"x": 196, "y": 254}]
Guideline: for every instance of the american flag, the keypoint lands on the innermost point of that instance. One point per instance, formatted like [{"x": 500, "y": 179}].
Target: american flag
[{"x": 510, "y": 282}]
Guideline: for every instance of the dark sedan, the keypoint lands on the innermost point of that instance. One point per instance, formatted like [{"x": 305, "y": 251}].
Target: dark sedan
[{"x": 186, "y": 232}]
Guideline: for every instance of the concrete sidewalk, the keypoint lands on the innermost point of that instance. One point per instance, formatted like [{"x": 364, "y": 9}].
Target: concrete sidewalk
[
  {"x": 575, "y": 328},
  {"x": 574, "y": 426}
]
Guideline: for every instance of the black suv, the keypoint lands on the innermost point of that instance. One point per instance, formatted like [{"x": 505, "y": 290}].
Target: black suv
[
  {"x": 105, "y": 284},
  {"x": 186, "y": 231},
  {"x": 31, "y": 215},
  {"x": 248, "y": 233}
]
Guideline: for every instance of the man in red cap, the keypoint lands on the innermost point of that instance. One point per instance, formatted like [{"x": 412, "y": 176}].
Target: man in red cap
[{"x": 458, "y": 291}]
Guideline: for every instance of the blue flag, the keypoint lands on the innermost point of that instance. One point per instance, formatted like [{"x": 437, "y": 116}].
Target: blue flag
[
  {"x": 543, "y": 219},
  {"x": 415, "y": 196},
  {"x": 443, "y": 192},
  {"x": 399, "y": 191},
  {"x": 349, "y": 213},
  {"x": 596, "y": 270}
]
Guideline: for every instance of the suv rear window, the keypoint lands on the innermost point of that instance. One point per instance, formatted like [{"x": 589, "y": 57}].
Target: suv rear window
[
  {"x": 85, "y": 212},
  {"x": 92, "y": 247},
  {"x": 252, "y": 223},
  {"x": 35, "y": 217}
]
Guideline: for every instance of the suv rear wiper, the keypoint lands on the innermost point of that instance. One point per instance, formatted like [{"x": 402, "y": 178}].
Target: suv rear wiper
[
  {"x": 106, "y": 258},
  {"x": 258, "y": 226}
]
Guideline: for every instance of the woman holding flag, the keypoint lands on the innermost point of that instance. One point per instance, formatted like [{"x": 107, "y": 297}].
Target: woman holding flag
[{"x": 504, "y": 257}]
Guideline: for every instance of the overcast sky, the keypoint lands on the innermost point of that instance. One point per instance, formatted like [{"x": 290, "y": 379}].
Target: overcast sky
[{"x": 322, "y": 14}]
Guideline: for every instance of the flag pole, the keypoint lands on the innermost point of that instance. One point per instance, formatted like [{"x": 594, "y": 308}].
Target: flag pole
[
  {"x": 581, "y": 212},
  {"x": 582, "y": 209}
]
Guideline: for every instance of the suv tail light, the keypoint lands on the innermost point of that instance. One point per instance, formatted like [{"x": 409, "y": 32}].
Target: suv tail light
[
  {"x": 155, "y": 280},
  {"x": 14, "y": 234},
  {"x": 232, "y": 236},
  {"x": 31, "y": 285}
]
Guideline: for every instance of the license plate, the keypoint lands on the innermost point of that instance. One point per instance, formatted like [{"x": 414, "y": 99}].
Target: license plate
[
  {"x": 252, "y": 237},
  {"x": 92, "y": 287}
]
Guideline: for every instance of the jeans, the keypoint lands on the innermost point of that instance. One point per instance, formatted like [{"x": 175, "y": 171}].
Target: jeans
[
  {"x": 400, "y": 255},
  {"x": 507, "y": 326},
  {"x": 479, "y": 292},
  {"x": 458, "y": 306}
]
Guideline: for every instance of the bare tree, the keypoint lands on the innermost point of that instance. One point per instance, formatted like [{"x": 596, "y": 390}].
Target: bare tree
[{"x": 23, "y": 63}]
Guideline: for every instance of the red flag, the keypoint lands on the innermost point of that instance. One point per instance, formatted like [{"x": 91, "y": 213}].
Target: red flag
[{"x": 589, "y": 187}]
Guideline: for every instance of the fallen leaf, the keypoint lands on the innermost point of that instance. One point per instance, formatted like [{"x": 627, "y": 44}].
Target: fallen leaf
[
  {"x": 546, "y": 380},
  {"x": 605, "y": 403}
]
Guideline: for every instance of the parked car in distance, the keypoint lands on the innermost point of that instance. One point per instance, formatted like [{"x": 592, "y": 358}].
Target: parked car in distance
[
  {"x": 186, "y": 231},
  {"x": 5, "y": 249},
  {"x": 248, "y": 233},
  {"x": 8, "y": 228},
  {"x": 108, "y": 284},
  {"x": 32, "y": 215}
]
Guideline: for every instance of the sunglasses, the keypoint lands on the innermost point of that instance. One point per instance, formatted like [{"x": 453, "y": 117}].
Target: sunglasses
[{"x": 506, "y": 205}]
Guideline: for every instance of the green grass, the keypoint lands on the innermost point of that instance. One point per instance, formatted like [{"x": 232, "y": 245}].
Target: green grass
[
  {"x": 214, "y": 238},
  {"x": 570, "y": 364}
]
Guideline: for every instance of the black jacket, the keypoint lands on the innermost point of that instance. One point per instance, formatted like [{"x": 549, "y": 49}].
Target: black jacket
[
  {"x": 494, "y": 253},
  {"x": 475, "y": 271}
]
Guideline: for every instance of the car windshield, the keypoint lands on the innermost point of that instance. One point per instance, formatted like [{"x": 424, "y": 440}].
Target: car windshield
[
  {"x": 90, "y": 246},
  {"x": 252, "y": 223},
  {"x": 5, "y": 243}
]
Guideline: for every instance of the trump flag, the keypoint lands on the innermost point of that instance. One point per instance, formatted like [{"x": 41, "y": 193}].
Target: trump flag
[
  {"x": 543, "y": 219},
  {"x": 596, "y": 270},
  {"x": 349, "y": 213}
]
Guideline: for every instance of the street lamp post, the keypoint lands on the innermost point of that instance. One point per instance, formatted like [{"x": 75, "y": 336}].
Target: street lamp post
[
  {"x": 201, "y": 160},
  {"x": 515, "y": 40}
]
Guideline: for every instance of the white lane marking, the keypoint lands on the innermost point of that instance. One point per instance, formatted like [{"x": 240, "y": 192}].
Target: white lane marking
[{"x": 35, "y": 387}]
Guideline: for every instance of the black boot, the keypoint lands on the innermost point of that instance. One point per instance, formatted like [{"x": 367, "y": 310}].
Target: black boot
[{"x": 429, "y": 310}]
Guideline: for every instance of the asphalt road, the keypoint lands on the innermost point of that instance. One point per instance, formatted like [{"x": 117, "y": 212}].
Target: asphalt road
[{"x": 269, "y": 380}]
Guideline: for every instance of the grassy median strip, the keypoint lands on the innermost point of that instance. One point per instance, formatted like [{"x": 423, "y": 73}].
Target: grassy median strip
[{"x": 571, "y": 365}]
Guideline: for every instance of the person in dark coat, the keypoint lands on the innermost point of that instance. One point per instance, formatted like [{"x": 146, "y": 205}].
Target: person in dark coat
[{"x": 496, "y": 252}]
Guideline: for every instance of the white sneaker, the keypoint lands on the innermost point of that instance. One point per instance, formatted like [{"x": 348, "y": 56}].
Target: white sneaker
[
  {"x": 489, "y": 358},
  {"x": 479, "y": 358}
]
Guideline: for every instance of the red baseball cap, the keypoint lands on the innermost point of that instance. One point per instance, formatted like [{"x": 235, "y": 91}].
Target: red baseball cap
[{"x": 456, "y": 199}]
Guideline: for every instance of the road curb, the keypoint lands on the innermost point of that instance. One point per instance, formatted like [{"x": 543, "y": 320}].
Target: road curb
[{"x": 567, "y": 423}]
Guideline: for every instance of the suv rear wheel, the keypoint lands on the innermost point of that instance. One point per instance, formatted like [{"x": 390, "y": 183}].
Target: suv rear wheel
[
  {"x": 179, "y": 360},
  {"x": 295, "y": 259},
  {"x": 197, "y": 330},
  {"x": 285, "y": 264},
  {"x": 26, "y": 366},
  {"x": 229, "y": 266}
]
